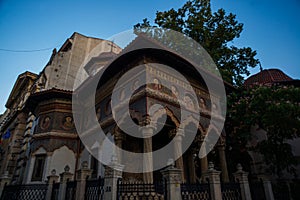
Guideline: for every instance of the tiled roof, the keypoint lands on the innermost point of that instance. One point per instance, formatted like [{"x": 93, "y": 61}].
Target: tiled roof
[{"x": 267, "y": 76}]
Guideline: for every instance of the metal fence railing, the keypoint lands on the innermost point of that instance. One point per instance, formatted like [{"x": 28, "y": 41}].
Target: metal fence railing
[
  {"x": 231, "y": 191},
  {"x": 140, "y": 190},
  {"x": 94, "y": 189},
  {"x": 71, "y": 190},
  {"x": 195, "y": 191},
  {"x": 24, "y": 192}
]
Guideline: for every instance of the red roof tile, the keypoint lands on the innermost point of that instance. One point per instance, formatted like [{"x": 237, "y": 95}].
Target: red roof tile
[{"x": 267, "y": 76}]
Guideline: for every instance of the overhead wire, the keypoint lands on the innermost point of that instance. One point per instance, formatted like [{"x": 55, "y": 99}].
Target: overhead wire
[{"x": 26, "y": 51}]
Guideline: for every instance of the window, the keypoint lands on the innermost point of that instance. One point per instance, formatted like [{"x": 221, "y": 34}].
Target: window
[{"x": 38, "y": 169}]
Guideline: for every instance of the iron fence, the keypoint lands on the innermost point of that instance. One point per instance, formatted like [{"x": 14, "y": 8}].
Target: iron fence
[
  {"x": 55, "y": 191},
  {"x": 94, "y": 189},
  {"x": 231, "y": 191},
  {"x": 71, "y": 190},
  {"x": 141, "y": 191},
  {"x": 195, "y": 191},
  {"x": 24, "y": 192}
]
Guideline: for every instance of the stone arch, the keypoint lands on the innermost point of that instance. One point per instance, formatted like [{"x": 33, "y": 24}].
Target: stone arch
[
  {"x": 191, "y": 119},
  {"x": 160, "y": 112},
  {"x": 221, "y": 141},
  {"x": 134, "y": 115}
]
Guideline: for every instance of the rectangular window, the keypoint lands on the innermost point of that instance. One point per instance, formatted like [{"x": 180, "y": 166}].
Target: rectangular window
[{"x": 38, "y": 169}]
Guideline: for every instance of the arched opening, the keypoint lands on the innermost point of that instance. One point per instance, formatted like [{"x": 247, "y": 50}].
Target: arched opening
[
  {"x": 132, "y": 144},
  {"x": 161, "y": 139},
  {"x": 191, "y": 164},
  {"x": 213, "y": 155}
]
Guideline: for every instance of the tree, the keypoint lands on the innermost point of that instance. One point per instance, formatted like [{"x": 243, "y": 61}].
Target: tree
[
  {"x": 275, "y": 109},
  {"x": 215, "y": 31}
]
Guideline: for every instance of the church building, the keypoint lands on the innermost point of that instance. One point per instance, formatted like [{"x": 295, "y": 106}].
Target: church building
[{"x": 39, "y": 131}]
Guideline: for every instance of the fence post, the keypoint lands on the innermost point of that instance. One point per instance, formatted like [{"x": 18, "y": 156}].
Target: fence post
[
  {"x": 267, "y": 187},
  {"x": 112, "y": 173},
  {"x": 64, "y": 178},
  {"x": 82, "y": 175},
  {"x": 173, "y": 178},
  {"x": 4, "y": 180},
  {"x": 214, "y": 182},
  {"x": 242, "y": 177},
  {"x": 53, "y": 178}
]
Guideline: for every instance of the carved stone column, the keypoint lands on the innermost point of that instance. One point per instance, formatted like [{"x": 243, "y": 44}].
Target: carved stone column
[
  {"x": 192, "y": 168},
  {"x": 203, "y": 162},
  {"x": 178, "y": 134},
  {"x": 223, "y": 163},
  {"x": 147, "y": 132},
  {"x": 204, "y": 165},
  {"x": 118, "y": 142}
]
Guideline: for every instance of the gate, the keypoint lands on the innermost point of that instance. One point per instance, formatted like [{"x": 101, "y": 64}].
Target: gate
[
  {"x": 231, "y": 191},
  {"x": 139, "y": 191},
  {"x": 94, "y": 189},
  {"x": 24, "y": 192},
  {"x": 71, "y": 190},
  {"x": 195, "y": 191}
]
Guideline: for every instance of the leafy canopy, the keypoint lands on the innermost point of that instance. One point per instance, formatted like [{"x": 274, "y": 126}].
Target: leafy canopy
[
  {"x": 215, "y": 31},
  {"x": 274, "y": 109}
]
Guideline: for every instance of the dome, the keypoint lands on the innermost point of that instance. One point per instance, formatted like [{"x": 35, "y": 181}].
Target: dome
[{"x": 267, "y": 77}]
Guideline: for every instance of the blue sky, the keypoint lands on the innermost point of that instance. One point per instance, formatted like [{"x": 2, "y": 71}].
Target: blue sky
[{"x": 270, "y": 27}]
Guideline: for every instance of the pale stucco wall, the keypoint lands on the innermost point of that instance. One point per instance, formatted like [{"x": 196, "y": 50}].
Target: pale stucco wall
[{"x": 59, "y": 159}]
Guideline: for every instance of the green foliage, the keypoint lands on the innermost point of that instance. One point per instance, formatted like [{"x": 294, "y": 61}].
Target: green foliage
[
  {"x": 275, "y": 109},
  {"x": 215, "y": 31}
]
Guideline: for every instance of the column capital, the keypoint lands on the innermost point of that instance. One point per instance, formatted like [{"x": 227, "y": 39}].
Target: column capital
[
  {"x": 147, "y": 130},
  {"x": 119, "y": 136},
  {"x": 221, "y": 142},
  {"x": 221, "y": 147},
  {"x": 179, "y": 133}
]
